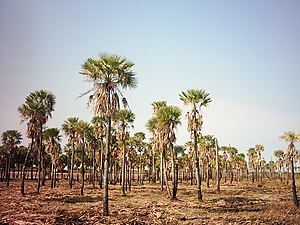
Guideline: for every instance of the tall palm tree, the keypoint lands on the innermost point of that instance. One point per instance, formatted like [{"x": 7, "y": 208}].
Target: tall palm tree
[
  {"x": 291, "y": 152},
  {"x": 68, "y": 128},
  {"x": 109, "y": 74},
  {"x": 10, "y": 141},
  {"x": 123, "y": 119},
  {"x": 197, "y": 99},
  {"x": 53, "y": 137},
  {"x": 37, "y": 109}
]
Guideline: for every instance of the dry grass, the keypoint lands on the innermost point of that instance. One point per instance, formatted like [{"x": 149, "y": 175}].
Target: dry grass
[{"x": 239, "y": 203}]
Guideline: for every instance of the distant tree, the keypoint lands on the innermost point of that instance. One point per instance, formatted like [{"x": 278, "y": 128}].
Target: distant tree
[
  {"x": 252, "y": 158},
  {"x": 99, "y": 125},
  {"x": 155, "y": 139},
  {"x": 10, "y": 141},
  {"x": 53, "y": 137},
  {"x": 68, "y": 128},
  {"x": 123, "y": 119},
  {"x": 259, "y": 149},
  {"x": 279, "y": 154},
  {"x": 291, "y": 152},
  {"x": 82, "y": 130}
]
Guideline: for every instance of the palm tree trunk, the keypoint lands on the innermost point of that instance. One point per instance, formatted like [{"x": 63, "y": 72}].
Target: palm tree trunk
[
  {"x": 153, "y": 169},
  {"x": 105, "y": 175},
  {"x": 174, "y": 176},
  {"x": 198, "y": 175},
  {"x": 40, "y": 159},
  {"x": 165, "y": 176},
  {"x": 72, "y": 164},
  {"x": 207, "y": 174},
  {"x": 94, "y": 167},
  {"x": 162, "y": 171},
  {"x": 82, "y": 170},
  {"x": 8, "y": 170},
  {"x": 295, "y": 198},
  {"x": 217, "y": 168},
  {"x": 101, "y": 164},
  {"x": 123, "y": 179},
  {"x": 24, "y": 167}
]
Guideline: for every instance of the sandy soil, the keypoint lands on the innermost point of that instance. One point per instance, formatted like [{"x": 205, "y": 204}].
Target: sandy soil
[{"x": 239, "y": 203}]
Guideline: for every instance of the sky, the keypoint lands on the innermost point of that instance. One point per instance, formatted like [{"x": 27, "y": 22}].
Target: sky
[{"x": 246, "y": 54}]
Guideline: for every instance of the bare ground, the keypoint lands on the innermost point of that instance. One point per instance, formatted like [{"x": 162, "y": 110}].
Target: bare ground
[{"x": 239, "y": 203}]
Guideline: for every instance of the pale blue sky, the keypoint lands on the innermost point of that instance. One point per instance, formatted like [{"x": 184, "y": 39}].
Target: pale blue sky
[{"x": 246, "y": 54}]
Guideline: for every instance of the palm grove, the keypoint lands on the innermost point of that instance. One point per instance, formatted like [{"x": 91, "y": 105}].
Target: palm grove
[{"x": 103, "y": 151}]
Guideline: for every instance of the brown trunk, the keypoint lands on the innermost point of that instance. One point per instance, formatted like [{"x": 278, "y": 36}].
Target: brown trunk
[
  {"x": 105, "y": 174},
  {"x": 198, "y": 175},
  {"x": 295, "y": 198},
  {"x": 123, "y": 178}
]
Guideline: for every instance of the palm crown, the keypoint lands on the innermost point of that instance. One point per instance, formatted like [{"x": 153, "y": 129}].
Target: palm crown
[{"x": 109, "y": 73}]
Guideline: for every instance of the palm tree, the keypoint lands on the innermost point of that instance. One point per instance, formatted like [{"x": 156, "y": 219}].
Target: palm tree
[
  {"x": 68, "y": 128},
  {"x": 82, "y": 130},
  {"x": 109, "y": 74},
  {"x": 168, "y": 118},
  {"x": 140, "y": 146},
  {"x": 207, "y": 143},
  {"x": 99, "y": 128},
  {"x": 279, "y": 154},
  {"x": 232, "y": 152},
  {"x": 217, "y": 164},
  {"x": 10, "y": 141},
  {"x": 37, "y": 109},
  {"x": 259, "y": 149},
  {"x": 53, "y": 137},
  {"x": 152, "y": 127},
  {"x": 252, "y": 158},
  {"x": 197, "y": 99},
  {"x": 123, "y": 119},
  {"x": 291, "y": 152}
]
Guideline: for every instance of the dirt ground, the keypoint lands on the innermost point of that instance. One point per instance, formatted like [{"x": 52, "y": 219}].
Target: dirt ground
[{"x": 239, "y": 203}]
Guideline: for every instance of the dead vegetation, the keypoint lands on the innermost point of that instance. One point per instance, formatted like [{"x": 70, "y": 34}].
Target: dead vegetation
[{"x": 240, "y": 203}]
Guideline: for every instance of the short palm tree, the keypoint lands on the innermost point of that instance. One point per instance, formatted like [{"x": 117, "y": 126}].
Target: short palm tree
[
  {"x": 259, "y": 149},
  {"x": 168, "y": 118},
  {"x": 279, "y": 154},
  {"x": 291, "y": 152},
  {"x": 82, "y": 130},
  {"x": 197, "y": 99},
  {"x": 109, "y": 74},
  {"x": 151, "y": 126},
  {"x": 37, "y": 109},
  {"x": 53, "y": 137},
  {"x": 99, "y": 128},
  {"x": 252, "y": 159},
  {"x": 10, "y": 141},
  {"x": 68, "y": 128},
  {"x": 123, "y": 119}
]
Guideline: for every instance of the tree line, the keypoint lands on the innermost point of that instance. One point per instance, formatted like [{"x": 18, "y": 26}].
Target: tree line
[{"x": 104, "y": 151}]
